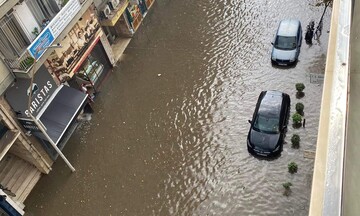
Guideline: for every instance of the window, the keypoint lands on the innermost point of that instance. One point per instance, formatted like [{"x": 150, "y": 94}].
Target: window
[
  {"x": 266, "y": 124},
  {"x": 43, "y": 9},
  {"x": 13, "y": 40},
  {"x": 285, "y": 43}
]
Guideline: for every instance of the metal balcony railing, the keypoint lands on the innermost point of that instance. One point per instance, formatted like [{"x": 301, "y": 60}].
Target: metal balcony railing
[{"x": 21, "y": 64}]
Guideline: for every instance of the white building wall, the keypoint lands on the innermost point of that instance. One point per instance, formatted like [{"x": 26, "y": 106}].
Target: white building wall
[
  {"x": 6, "y": 78},
  {"x": 26, "y": 19}
]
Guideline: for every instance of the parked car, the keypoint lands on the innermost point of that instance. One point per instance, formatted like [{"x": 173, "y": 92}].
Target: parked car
[
  {"x": 269, "y": 123},
  {"x": 287, "y": 42}
]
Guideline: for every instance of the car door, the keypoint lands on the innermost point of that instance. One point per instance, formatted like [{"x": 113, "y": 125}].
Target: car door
[{"x": 282, "y": 120}]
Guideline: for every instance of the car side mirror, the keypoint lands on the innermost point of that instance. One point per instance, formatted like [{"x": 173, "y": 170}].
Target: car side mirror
[
  {"x": 272, "y": 43},
  {"x": 249, "y": 121}
]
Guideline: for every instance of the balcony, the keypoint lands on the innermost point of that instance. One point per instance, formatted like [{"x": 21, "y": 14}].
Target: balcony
[
  {"x": 6, "y": 5},
  {"x": 21, "y": 52},
  {"x": 334, "y": 188}
]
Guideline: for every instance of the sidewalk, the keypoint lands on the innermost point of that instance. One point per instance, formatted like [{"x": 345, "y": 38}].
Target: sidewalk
[{"x": 119, "y": 47}]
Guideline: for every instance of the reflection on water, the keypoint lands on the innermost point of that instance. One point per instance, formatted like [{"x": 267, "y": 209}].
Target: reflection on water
[{"x": 175, "y": 144}]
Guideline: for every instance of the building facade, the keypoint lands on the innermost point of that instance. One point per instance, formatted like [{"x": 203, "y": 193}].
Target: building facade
[{"x": 54, "y": 56}]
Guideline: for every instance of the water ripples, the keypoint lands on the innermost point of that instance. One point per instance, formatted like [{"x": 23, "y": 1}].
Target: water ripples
[{"x": 216, "y": 174}]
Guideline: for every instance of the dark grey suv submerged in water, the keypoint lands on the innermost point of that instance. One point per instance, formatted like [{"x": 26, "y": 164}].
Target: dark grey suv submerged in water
[
  {"x": 287, "y": 42},
  {"x": 269, "y": 123}
]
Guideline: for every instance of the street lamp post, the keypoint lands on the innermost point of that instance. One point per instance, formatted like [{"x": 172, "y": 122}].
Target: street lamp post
[{"x": 36, "y": 121}]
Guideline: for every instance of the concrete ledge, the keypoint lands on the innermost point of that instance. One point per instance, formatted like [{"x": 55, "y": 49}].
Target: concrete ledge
[{"x": 351, "y": 190}]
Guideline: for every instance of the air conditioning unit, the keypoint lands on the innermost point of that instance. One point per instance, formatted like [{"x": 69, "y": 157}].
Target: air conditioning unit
[
  {"x": 113, "y": 4},
  {"x": 105, "y": 13}
]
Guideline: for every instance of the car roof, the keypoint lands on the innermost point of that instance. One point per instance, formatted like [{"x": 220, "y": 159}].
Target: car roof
[
  {"x": 288, "y": 27},
  {"x": 271, "y": 103}
]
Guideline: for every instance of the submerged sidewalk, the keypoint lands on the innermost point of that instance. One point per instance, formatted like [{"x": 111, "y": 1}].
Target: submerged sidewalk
[{"x": 119, "y": 47}]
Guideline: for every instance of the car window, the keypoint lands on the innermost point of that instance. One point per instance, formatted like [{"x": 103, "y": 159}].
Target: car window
[
  {"x": 266, "y": 124},
  {"x": 285, "y": 43}
]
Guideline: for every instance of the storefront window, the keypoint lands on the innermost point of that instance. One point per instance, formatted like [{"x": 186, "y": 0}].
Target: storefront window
[
  {"x": 91, "y": 69},
  {"x": 63, "y": 62}
]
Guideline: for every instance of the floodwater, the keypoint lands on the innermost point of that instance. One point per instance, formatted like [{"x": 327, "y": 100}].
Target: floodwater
[{"x": 168, "y": 136}]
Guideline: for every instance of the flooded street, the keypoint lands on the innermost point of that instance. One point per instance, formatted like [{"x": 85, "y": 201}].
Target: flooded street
[{"x": 168, "y": 136}]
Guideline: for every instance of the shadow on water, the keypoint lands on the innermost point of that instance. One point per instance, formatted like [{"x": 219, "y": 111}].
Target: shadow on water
[
  {"x": 285, "y": 67},
  {"x": 266, "y": 158}
]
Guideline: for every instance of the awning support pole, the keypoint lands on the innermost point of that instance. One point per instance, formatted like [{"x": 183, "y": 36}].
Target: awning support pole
[{"x": 42, "y": 129}]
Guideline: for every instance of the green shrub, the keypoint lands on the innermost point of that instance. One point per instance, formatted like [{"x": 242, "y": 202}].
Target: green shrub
[
  {"x": 295, "y": 141},
  {"x": 299, "y": 87},
  {"x": 297, "y": 118},
  {"x": 292, "y": 167},
  {"x": 35, "y": 31},
  {"x": 64, "y": 2},
  {"x": 26, "y": 63},
  {"x": 299, "y": 108},
  {"x": 287, "y": 185},
  {"x": 287, "y": 188}
]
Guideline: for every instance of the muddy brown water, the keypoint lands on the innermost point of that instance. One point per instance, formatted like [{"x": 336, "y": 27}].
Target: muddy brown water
[{"x": 168, "y": 136}]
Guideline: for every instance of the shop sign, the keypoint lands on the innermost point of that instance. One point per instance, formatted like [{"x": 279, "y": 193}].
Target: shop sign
[
  {"x": 39, "y": 94},
  {"x": 41, "y": 90},
  {"x": 54, "y": 28},
  {"x": 44, "y": 40}
]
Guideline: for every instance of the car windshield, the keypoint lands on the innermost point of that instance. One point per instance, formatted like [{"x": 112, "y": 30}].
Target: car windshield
[
  {"x": 266, "y": 124},
  {"x": 285, "y": 43}
]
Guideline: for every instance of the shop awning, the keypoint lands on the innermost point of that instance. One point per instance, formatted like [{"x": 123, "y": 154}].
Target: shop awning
[{"x": 61, "y": 110}]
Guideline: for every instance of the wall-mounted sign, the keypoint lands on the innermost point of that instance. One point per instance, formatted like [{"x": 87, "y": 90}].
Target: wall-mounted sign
[
  {"x": 54, "y": 28},
  {"x": 45, "y": 39}
]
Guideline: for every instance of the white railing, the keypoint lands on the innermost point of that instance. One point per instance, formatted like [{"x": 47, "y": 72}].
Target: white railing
[{"x": 23, "y": 63}]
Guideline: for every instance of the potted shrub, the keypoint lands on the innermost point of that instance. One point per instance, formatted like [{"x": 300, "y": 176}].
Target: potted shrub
[
  {"x": 64, "y": 2},
  {"x": 300, "y": 108},
  {"x": 295, "y": 141},
  {"x": 287, "y": 187},
  {"x": 26, "y": 63},
  {"x": 297, "y": 120},
  {"x": 292, "y": 167},
  {"x": 35, "y": 31},
  {"x": 300, "y": 88}
]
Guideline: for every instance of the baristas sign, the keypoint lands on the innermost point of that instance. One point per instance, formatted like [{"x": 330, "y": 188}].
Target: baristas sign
[{"x": 42, "y": 89}]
